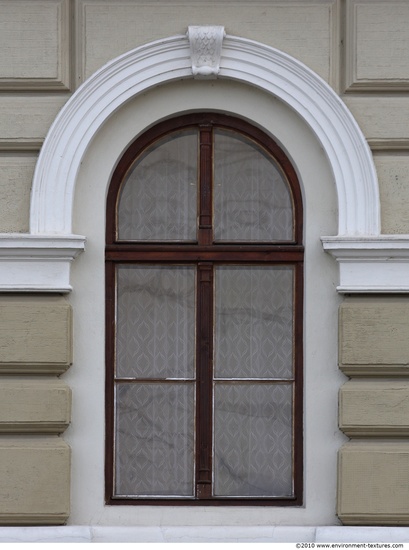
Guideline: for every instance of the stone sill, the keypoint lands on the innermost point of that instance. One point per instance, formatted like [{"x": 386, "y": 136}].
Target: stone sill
[{"x": 164, "y": 534}]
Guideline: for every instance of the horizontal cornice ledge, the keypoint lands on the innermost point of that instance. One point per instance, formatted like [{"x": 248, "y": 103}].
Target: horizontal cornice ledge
[
  {"x": 378, "y": 264},
  {"x": 37, "y": 263}
]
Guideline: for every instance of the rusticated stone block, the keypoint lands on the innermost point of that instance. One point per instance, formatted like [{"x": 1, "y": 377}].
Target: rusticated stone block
[
  {"x": 304, "y": 31},
  {"x": 25, "y": 120},
  {"x": 374, "y": 336},
  {"x": 34, "y": 406},
  {"x": 369, "y": 26},
  {"x": 380, "y": 118},
  {"x": 373, "y": 483},
  {"x": 374, "y": 408},
  {"x": 35, "y": 335},
  {"x": 34, "y": 481},
  {"x": 34, "y": 45},
  {"x": 16, "y": 174},
  {"x": 393, "y": 174}
]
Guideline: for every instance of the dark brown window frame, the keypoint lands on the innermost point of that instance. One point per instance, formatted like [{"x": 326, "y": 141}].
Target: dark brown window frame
[{"x": 204, "y": 253}]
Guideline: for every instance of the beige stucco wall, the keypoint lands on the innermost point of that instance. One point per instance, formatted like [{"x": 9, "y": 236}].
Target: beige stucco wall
[
  {"x": 374, "y": 352},
  {"x": 47, "y": 49},
  {"x": 305, "y": 30},
  {"x": 35, "y": 345}
]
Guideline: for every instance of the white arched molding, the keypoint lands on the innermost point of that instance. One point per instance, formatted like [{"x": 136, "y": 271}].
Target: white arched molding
[
  {"x": 166, "y": 60},
  {"x": 51, "y": 245}
]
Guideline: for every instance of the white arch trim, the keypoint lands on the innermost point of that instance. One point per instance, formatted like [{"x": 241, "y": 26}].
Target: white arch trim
[
  {"x": 166, "y": 60},
  {"x": 41, "y": 260}
]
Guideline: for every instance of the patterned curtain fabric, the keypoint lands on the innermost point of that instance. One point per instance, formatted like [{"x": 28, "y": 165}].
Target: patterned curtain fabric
[
  {"x": 253, "y": 341},
  {"x": 252, "y": 201},
  {"x": 159, "y": 196}
]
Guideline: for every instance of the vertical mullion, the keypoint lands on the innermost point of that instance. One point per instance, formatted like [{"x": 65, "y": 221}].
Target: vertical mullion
[
  {"x": 206, "y": 177},
  {"x": 204, "y": 380}
]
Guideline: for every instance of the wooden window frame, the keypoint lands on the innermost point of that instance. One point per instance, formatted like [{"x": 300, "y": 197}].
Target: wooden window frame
[{"x": 205, "y": 254}]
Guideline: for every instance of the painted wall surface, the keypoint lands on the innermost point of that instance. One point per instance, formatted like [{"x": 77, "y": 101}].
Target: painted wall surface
[{"x": 47, "y": 49}]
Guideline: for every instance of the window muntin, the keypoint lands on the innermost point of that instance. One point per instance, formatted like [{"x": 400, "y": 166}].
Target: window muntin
[{"x": 227, "y": 315}]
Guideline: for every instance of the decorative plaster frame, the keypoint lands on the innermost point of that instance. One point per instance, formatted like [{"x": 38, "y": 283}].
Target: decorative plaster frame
[
  {"x": 167, "y": 60},
  {"x": 364, "y": 256}
]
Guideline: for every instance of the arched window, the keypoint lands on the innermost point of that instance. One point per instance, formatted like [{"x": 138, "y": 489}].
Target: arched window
[{"x": 204, "y": 279}]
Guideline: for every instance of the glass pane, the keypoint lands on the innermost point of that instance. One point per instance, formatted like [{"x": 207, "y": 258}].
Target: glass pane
[
  {"x": 254, "y": 322},
  {"x": 158, "y": 201},
  {"x": 253, "y": 440},
  {"x": 155, "y": 321},
  {"x": 154, "y": 439},
  {"x": 252, "y": 201}
]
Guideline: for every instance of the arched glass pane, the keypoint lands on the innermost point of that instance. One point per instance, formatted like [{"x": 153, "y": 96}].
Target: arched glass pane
[
  {"x": 158, "y": 201},
  {"x": 252, "y": 199}
]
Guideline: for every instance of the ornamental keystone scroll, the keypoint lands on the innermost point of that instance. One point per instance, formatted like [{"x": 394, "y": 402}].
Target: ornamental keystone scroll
[{"x": 205, "y": 50}]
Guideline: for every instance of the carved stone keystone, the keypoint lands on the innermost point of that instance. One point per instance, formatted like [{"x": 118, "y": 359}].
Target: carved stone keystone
[{"x": 205, "y": 50}]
